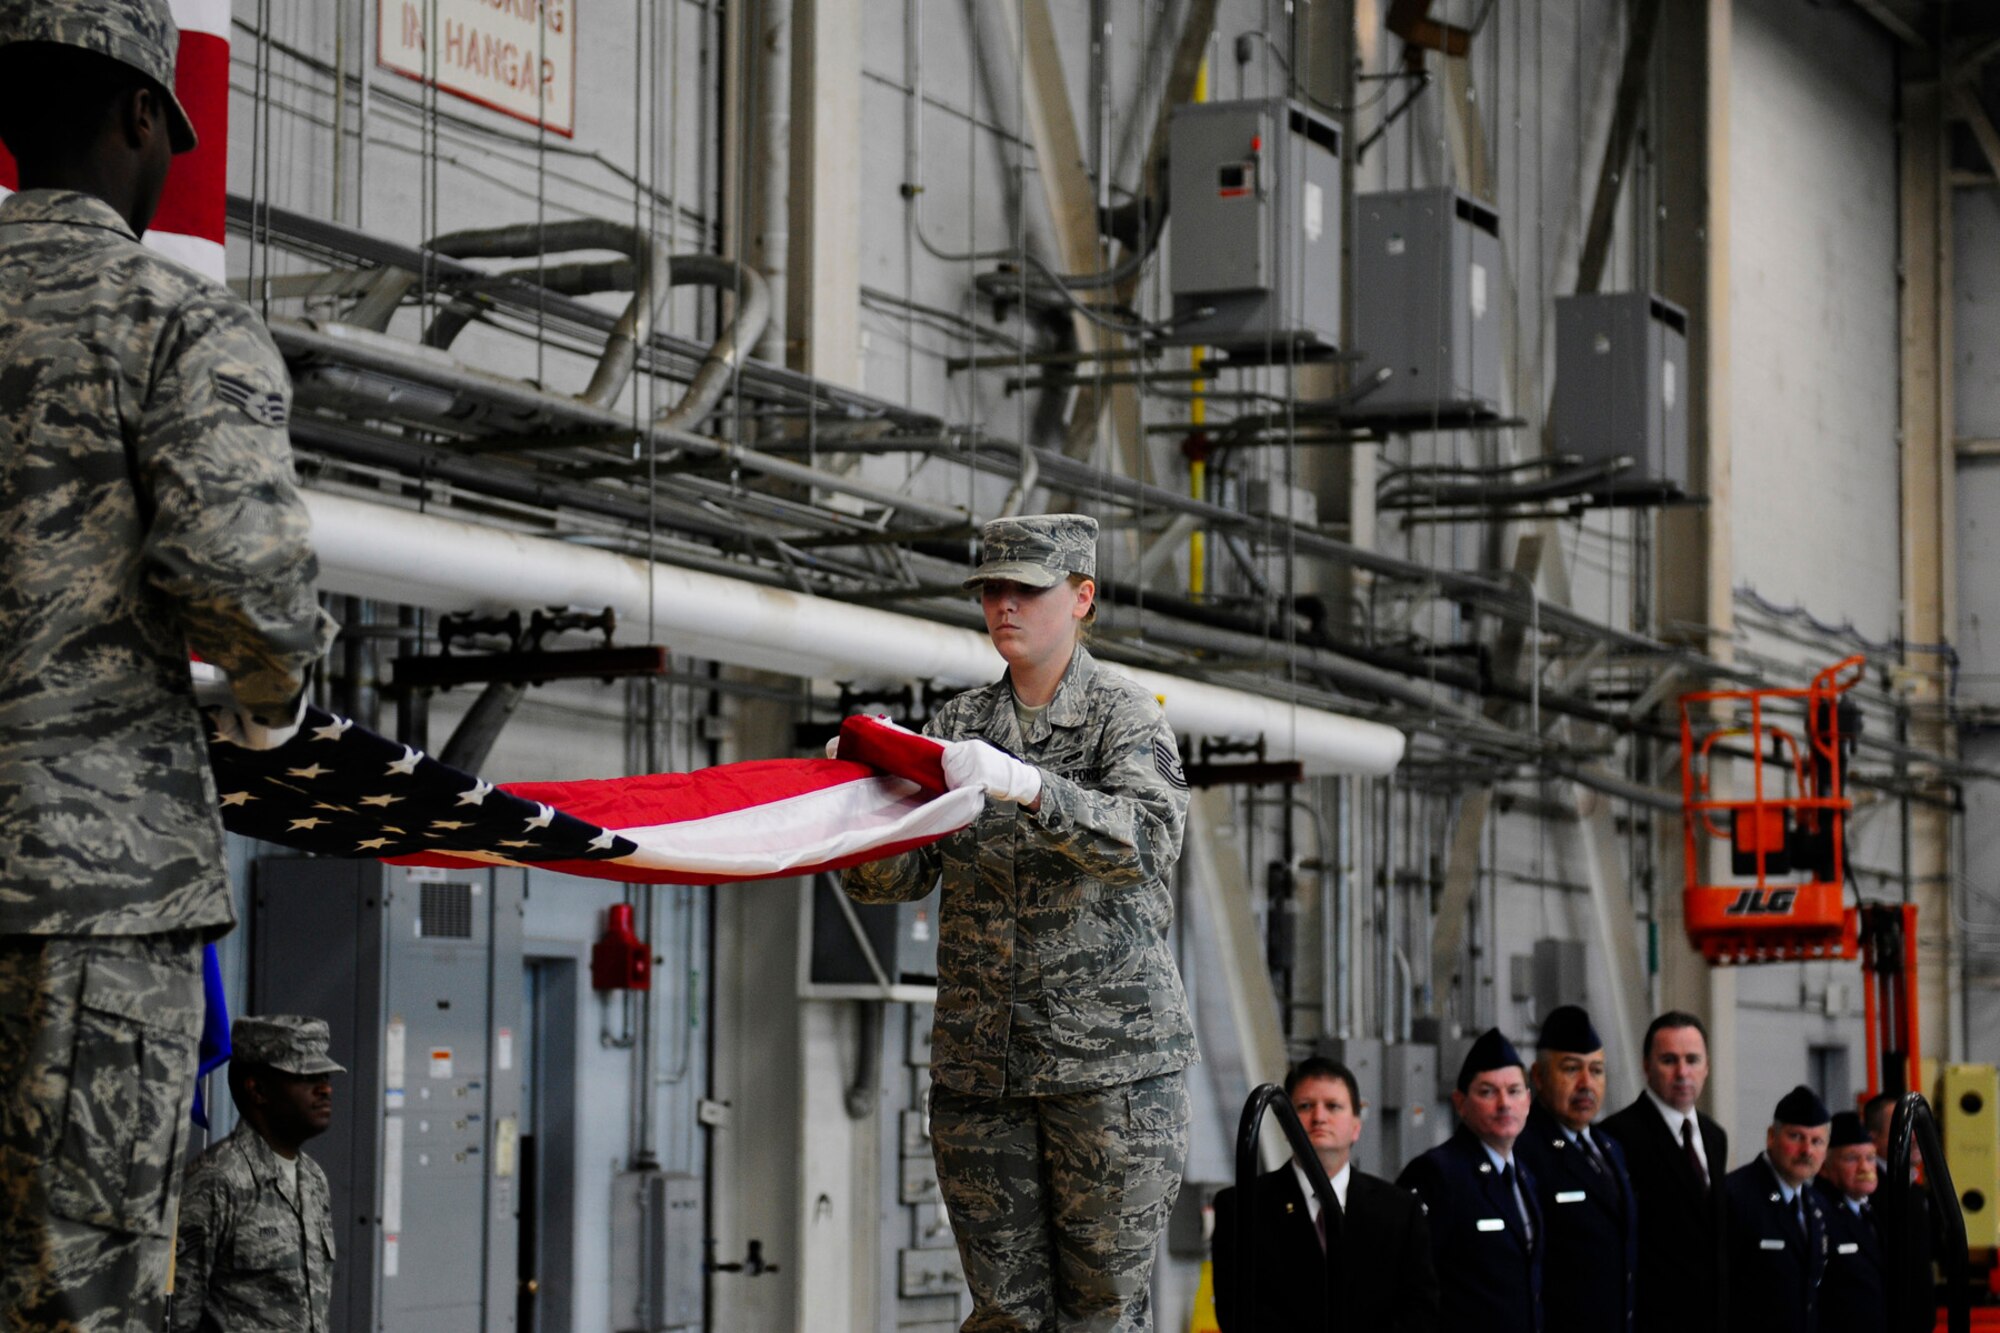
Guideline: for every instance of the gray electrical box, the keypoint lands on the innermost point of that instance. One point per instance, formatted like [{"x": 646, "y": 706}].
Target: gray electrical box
[
  {"x": 1410, "y": 1120},
  {"x": 1561, "y": 975},
  {"x": 1253, "y": 249},
  {"x": 656, "y": 1282},
  {"x": 418, "y": 973},
  {"x": 848, "y": 941},
  {"x": 1363, "y": 1058},
  {"x": 1427, "y": 273},
  {"x": 1621, "y": 387}
]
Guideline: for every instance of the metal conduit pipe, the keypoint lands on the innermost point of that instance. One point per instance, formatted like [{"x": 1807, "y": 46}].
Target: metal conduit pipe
[
  {"x": 586, "y": 277},
  {"x": 635, "y": 326},
  {"x": 771, "y": 241},
  {"x": 650, "y": 276},
  {"x": 343, "y": 344}
]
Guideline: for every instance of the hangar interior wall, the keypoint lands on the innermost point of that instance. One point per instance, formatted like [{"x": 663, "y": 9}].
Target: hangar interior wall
[{"x": 751, "y": 1078}]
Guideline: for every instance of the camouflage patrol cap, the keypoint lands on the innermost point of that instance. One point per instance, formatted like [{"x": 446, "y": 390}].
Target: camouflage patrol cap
[
  {"x": 138, "y": 33},
  {"x": 1040, "y": 551},
  {"x": 289, "y": 1043}
]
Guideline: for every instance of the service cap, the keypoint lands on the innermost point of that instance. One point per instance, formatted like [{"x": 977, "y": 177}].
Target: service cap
[
  {"x": 138, "y": 33},
  {"x": 1848, "y": 1131},
  {"x": 1492, "y": 1051},
  {"x": 1801, "y": 1106},
  {"x": 1040, "y": 551},
  {"x": 289, "y": 1043},
  {"x": 1568, "y": 1029}
]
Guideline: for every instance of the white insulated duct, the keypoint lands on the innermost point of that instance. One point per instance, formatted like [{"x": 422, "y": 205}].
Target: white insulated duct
[{"x": 397, "y": 555}]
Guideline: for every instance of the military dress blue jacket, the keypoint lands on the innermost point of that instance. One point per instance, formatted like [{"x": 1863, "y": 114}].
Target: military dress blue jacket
[
  {"x": 1774, "y": 1263},
  {"x": 1489, "y": 1272},
  {"x": 1592, "y": 1251}
]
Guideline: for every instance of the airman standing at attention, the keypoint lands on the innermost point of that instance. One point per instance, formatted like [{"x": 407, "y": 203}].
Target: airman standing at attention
[
  {"x": 1585, "y": 1192},
  {"x": 256, "y": 1226},
  {"x": 147, "y": 510},
  {"x": 1777, "y": 1223},
  {"x": 1059, "y": 1115},
  {"x": 1479, "y": 1200},
  {"x": 1854, "y": 1297}
]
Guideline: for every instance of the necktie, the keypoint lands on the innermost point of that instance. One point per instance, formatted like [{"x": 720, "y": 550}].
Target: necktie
[
  {"x": 1694, "y": 1158},
  {"x": 1511, "y": 1183},
  {"x": 1590, "y": 1153},
  {"x": 1319, "y": 1225}
]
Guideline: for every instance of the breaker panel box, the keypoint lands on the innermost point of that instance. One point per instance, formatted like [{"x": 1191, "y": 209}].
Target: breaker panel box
[
  {"x": 848, "y": 941},
  {"x": 1253, "y": 249},
  {"x": 418, "y": 973},
  {"x": 1621, "y": 387},
  {"x": 1427, "y": 273}
]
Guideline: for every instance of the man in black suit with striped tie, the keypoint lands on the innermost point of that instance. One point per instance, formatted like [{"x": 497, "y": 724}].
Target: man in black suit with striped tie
[
  {"x": 1378, "y": 1245},
  {"x": 1581, "y": 1184},
  {"x": 1677, "y": 1158}
]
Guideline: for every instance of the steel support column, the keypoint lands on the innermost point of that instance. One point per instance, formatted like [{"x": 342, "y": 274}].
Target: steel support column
[
  {"x": 1695, "y": 571},
  {"x": 1929, "y": 520},
  {"x": 825, "y": 301}
]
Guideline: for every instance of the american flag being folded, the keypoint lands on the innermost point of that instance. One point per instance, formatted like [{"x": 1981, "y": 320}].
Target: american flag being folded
[{"x": 338, "y": 789}]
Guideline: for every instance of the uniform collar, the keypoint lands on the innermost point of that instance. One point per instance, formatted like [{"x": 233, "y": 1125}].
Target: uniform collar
[
  {"x": 1787, "y": 1191},
  {"x": 264, "y": 1164},
  {"x": 71, "y": 208},
  {"x": 1071, "y": 705}
]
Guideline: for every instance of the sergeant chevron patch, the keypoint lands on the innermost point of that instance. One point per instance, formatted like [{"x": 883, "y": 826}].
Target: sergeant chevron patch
[{"x": 1168, "y": 762}]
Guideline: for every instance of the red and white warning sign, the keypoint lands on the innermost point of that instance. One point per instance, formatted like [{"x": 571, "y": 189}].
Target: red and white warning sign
[{"x": 516, "y": 56}]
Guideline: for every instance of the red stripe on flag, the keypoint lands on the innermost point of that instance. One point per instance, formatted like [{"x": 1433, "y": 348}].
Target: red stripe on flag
[
  {"x": 195, "y": 202},
  {"x": 673, "y": 798}
]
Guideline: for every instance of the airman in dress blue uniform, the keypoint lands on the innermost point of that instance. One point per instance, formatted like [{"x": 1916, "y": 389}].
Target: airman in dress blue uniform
[
  {"x": 1854, "y": 1296},
  {"x": 1776, "y": 1247},
  {"x": 1479, "y": 1199},
  {"x": 1585, "y": 1192}
]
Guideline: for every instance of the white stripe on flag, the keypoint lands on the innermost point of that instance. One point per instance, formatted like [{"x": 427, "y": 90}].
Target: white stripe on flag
[
  {"x": 808, "y": 829},
  {"x": 203, "y": 256},
  {"x": 209, "y": 16}
]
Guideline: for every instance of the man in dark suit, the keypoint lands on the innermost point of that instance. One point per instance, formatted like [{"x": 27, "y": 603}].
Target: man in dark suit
[
  {"x": 1676, "y": 1157},
  {"x": 1592, "y": 1255},
  {"x": 1479, "y": 1200},
  {"x": 1919, "y": 1311},
  {"x": 1854, "y": 1297},
  {"x": 1381, "y": 1251},
  {"x": 1776, "y": 1252}
]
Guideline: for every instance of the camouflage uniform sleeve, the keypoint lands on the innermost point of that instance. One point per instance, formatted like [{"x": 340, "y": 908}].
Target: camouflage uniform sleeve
[
  {"x": 904, "y": 877},
  {"x": 226, "y": 535},
  {"x": 199, "y": 1237},
  {"x": 1126, "y": 828}
]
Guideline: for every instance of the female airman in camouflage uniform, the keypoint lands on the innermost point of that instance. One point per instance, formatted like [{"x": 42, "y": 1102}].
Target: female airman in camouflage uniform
[{"x": 1059, "y": 1117}]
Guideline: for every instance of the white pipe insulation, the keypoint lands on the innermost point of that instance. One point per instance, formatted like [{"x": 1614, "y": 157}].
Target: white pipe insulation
[{"x": 397, "y": 555}]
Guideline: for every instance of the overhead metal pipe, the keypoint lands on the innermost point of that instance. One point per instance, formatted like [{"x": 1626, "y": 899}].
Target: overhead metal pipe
[
  {"x": 399, "y": 555},
  {"x": 648, "y": 278},
  {"x": 341, "y": 345}
]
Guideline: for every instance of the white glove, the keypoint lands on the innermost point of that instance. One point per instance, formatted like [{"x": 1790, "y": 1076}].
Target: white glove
[
  {"x": 235, "y": 725},
  {"x": 833, "y": 746},
  {"x": 974, "y": 763},
  {"x": 232, "y": 722}
]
